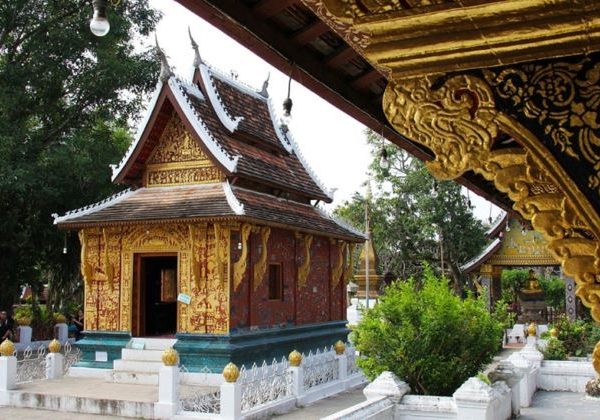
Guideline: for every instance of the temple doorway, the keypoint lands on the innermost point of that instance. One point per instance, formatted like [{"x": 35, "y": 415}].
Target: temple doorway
[{"x": 155, "y": 295}]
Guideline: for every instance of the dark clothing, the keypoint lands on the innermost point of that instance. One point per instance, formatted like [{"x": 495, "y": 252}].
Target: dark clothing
[
  {"x": 79, "y": 325},
  {"x": 6, "y": 325}
]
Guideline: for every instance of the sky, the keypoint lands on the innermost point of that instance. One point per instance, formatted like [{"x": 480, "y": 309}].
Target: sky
[{"x": 332, "y": 142}]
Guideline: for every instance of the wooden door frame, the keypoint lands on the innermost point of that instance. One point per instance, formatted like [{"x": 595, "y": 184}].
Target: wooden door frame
[{"x": 138, "y": 311}]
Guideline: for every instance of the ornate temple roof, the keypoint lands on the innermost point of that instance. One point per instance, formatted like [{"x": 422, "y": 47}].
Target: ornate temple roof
[
  {"x": 248, "y": 166},
  {"x": 235, "y": 123},
  {"x": 511, "y": 245}
]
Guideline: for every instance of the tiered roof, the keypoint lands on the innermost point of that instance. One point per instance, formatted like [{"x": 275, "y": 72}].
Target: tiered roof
[{"x": 264, "y": 176}]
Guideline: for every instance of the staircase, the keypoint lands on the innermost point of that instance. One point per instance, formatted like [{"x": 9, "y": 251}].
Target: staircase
[{"x": 140, "y": 361}]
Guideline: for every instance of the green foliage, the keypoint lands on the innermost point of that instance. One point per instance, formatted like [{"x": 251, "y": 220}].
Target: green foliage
[
  {"x": 513, "y": 281},
  {"x": 415, "y": 218},
  {"x": 502, "y": 315},
  {"x": 554, "y": 292},
  {"x": 555, "y": 350},
  {"x": 484, "y": 378},
  {"x": 573, "y": 334},
  {"x": 426, "y": 335},
  {"x": 66, "y": 97}
]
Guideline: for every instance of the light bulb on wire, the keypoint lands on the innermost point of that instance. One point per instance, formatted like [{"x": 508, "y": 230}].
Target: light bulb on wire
[{"x": 99, "y": 24}]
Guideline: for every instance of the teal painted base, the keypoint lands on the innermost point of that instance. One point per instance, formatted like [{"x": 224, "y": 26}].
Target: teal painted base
[
  {"x": 101, "y": 341},
  {"x": 199, "y": 351}
]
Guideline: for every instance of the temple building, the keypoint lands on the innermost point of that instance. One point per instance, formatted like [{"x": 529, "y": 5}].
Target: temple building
[
  {"x": 218, "y": 243},
  {"x": 514, "y": 245}
]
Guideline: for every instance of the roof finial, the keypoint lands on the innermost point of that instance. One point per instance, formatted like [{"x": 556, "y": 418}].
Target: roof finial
[
  {"x": 197, "y": 57},
  {"x": 165, "y": 70},
  {"x": 265, "y": 85}
]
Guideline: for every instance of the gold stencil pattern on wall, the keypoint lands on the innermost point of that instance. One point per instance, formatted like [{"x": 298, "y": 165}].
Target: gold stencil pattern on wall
[
  {"x": 338, "y": 267},
  {"x": 239, "y": 267},
  {"x": 304, "y": 268},
  {"x": 260, "y": 267},
  {"x": 457, "y": 121},
  {"x": 108, "y": 305}
]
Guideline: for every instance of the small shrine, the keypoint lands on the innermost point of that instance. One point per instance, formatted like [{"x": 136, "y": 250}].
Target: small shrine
[
  {"x": 367, "y": 270},
  {"x": 218, "y": 243},
  {"x": 511, "y": 246}
]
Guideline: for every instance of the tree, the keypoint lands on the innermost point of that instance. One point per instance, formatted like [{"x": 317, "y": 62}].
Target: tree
[
  {"x": 416, "y": 218},
  {"x": 513, "y": 281},
  {"x": 66, "y": 97},
  {"x": 428, "y": 336}
]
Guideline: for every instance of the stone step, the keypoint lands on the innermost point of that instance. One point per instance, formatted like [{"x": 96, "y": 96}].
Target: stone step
[
  {"x": 133, "y": 378},
  {"x": 82, "y": 405},
  {"x": 136, "y": 366},
  {"x": 142, "y": 355},
  {"x": 154, "y": 343}
]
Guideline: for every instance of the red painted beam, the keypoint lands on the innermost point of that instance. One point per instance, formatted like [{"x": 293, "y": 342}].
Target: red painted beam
[
  {"x": 268, "y": 8},
  {"x": 311, "y": 32}
]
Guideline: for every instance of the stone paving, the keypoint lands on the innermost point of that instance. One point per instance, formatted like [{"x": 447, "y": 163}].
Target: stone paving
[
  {"x": 561, "y": 406},
  {"x": 326, "y": 406}
]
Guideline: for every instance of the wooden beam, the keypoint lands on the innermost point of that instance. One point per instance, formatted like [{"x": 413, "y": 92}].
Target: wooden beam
[
  {"x": 312, "y": 31},
  {"x": 340, "y": 57},
  {"x": 363, "y": 81},
  {"x": 268, "y": 8}
]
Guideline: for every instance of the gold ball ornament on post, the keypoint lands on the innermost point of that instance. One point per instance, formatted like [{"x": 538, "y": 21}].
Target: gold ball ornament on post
[
  {"x": 54, "y": 346},
  {"x": 231, "y": 373},
  {"x": 554, "y": 332},
  {"x": 7, "y": 348},
  {"x": 339, "y": 347},
  {"x": 531, "y": 330},
  {"x": 295, "y": 358},
  {"x": 170, "y": 357}
]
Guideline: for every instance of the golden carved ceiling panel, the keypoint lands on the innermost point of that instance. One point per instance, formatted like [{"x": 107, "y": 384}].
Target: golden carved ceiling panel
[{"x": 178, "y": 160}]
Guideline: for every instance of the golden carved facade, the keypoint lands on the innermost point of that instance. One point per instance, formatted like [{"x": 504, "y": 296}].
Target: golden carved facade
[
  {"x": 109, "y": 304},
  {"x": 178, "y": 160}
]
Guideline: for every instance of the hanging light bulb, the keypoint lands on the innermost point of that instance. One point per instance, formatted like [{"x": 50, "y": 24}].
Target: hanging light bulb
[
  {"x": 287, "y": 103},
  {"x": 384, "y": 160},
  {"x": 65, "y": 245},
  {"x": 99, "y": 24}
]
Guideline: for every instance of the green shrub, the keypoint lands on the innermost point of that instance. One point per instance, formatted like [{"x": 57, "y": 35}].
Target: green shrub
[
  {"x": 513, "y": 281},
  {"x": 573, "y": 334},
  {"x": 555, "y": 350},
  {"x": 503, "y": 315},
  {"x": 554, "y": 292},
  {"x": 426, "y": 335}
]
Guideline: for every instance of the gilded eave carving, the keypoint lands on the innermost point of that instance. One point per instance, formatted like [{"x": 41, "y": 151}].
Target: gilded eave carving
[
  {"x": 457, "y": 119},
  {"x": 421, "y": 37}
]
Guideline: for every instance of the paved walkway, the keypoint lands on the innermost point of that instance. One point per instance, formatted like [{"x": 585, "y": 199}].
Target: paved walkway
[
  {"x": 561, "y": 406},
  {"x": 326, "y": 406}
]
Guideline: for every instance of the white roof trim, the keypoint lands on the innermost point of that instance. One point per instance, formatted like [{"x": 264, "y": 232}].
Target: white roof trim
[
  {"x": 116, "y": 169},
  {"x": 500, "y": 219},
  {"x": 468, "y": 265},
  {"x": 229, "y": 121},
  {"x": 277, "y": 127},
  {"x": 234, "y": 203},
  {"x": 92, "y": 208},
  {"x": 224, "y": 158},
  {"x": 192, "y": 90},
  {"x": 304, "y": 162},
  {"x": 343, "y": 223}
]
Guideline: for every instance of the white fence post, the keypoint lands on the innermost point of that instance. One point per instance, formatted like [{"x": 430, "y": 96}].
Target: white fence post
[
  {"x": 509, "y": 373},
  {"x": 54, "y": 361},
  {"x": 8, "y": 366},
  {"x": 62, "y": 332},
  {"x": 168, "y": 385},
  {"x": 24, "y": 335},
  {"x": 231, "y": 393},
  {"x": 295, "y": 360},
  {"x": 342, "y": 362}
]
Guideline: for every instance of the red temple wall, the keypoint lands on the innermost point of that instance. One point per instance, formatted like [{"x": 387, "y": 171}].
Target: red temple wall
[{"x": 315, "y": 302}]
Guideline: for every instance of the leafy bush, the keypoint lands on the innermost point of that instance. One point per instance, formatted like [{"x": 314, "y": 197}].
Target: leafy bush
[
  {"x": 554, "y": 292},
  {"x": 573, "y": 334},
  {"x": 513, "y": 281},
  {"x": 427, "y": 335},
  {"x": 555, "y": 350},
  {"x": 502, "y": 314}
]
